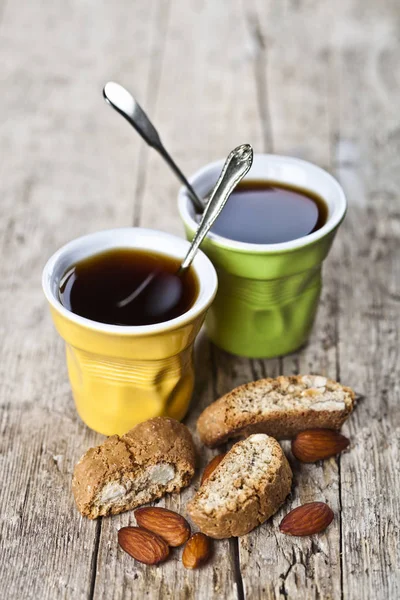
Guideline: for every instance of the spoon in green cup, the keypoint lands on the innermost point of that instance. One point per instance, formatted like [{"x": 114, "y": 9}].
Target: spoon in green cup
[{"x": 160, "y": 292}]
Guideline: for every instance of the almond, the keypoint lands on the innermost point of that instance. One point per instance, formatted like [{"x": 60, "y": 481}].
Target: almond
[
  {"x": 212, "y": 465},
  {"x": 143, "y": 545},
  {"x": 308, "y": 519},
  {"x": 317, "y": 444},
  {"x": 196, "y": 551},
  {"x": 173, "y": 528}
]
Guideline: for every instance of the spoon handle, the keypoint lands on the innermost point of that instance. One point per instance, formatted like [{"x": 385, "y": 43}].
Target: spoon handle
[
  {"x": 197, "y": 202},
  {"x": 124, "y": 103},
  {"x": 235, "y": 168}
]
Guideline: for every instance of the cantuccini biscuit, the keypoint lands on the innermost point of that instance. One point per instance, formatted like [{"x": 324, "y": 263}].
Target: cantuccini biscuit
[
  {"x": 246, "y": 488},
  {"x": 280, "y": 407},
  {"x": 154, "y": 458}
]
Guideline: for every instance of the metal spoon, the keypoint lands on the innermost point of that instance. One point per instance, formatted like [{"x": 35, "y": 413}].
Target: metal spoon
[
  {"x": 235, "y": 168},
  {"x": 124, "y": 103},
  {"x": 162, "y": 291}
]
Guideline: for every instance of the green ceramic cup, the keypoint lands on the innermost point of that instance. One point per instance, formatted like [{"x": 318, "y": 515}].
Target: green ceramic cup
[{"x": 267, "y": 293}]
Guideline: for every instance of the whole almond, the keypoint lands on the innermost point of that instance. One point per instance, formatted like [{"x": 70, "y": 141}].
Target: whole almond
[
  {"x": 144, "y": 546},
  {"x": 308, "y": 519},
  {"x": 196, "y": 551},
  {"x": 316, "y": 444},
  {"x": 212, "y": 465},
  {"x": 173, "y": 528}
]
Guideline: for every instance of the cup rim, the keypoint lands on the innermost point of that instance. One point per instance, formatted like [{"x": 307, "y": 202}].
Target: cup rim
[
  {"x": 333, "y": 221},
  {"x": 204, "y": 269}
]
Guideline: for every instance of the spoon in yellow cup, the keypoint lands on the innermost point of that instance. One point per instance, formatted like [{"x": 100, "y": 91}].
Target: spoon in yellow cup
[{"x": 126, "y": 105}]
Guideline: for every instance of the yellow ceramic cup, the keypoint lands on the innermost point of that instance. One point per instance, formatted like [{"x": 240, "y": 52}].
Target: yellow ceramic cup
[{"x": 121, "y": 375}]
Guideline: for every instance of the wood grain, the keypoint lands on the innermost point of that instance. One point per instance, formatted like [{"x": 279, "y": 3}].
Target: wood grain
[
  {"x": 303, "y": 567},
  {"x": 305, "y": 78},
  {"x": 369, "y": 317}
]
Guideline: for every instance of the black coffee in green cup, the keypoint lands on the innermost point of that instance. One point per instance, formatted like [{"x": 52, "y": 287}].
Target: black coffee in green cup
[{"x": 268, "y": 293}]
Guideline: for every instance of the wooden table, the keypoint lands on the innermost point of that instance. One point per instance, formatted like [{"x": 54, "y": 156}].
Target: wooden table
[{"x": 319, "y": 80}]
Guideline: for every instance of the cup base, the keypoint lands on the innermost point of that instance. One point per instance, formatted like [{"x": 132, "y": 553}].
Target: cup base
[
  {"x": 114, "y": 395},
  {"x": 120, "y": 426},
  {"x": 262, "y": 354}
]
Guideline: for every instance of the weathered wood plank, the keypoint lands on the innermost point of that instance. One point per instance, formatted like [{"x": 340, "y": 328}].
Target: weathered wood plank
[
  {"x": 368, "y": 165},
  {"x": 58, "y": 180},
  {"x": 290, "y": 54},
  {"x": 195, "y": 109},
  {"x": 206, "y": 102},
  {"x": 272, "y": 564}
]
